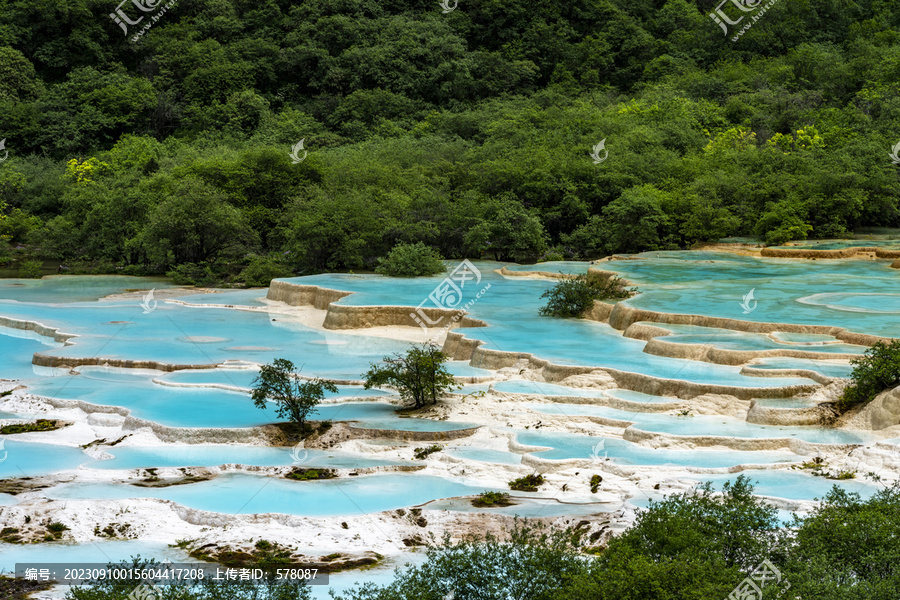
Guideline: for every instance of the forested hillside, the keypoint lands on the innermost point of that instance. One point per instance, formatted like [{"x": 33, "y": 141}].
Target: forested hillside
[{"x": 469, "y": 130}]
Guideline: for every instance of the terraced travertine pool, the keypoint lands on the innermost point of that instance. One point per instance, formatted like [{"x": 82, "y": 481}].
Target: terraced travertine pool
[{"x": 197, "y": 423}]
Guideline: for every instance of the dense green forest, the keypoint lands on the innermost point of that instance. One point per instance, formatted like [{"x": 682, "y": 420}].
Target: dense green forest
[{"x": 470, "y": 131}]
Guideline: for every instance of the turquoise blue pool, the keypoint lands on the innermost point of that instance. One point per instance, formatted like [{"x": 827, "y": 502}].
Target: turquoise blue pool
[
  {"x": 563, "y": 446},
  {"x": 249, "y": 494},
  {"x": 31, "y": 459},
  {"x": 703, "y": 425},
  {"x": 828, "y": 369},
  {"x": 210, "y": 455}
]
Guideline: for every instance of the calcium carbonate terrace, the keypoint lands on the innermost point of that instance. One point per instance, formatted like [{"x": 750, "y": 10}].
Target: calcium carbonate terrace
[{"x": 173, "y": 383}]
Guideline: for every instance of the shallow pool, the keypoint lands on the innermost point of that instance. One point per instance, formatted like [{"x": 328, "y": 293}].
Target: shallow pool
[
  {"x": 568, "y": 445},
  {"x": 249, "y": 494},
  {"x": 210, "y": 455}
]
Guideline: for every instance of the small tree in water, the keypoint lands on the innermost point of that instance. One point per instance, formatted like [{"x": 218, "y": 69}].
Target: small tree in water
[
  {"x": 419, "y": 375},
  {"x": 295, "y": 398},
  {"x": 574, "y": 295}
]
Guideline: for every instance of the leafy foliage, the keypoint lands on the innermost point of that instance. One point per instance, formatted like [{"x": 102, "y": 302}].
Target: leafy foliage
[
  {"x": 294, "y": 398},
  {"x": 528, "y": 483},
  {"x": 874, "y": 372},
  {"x": 469, "y": 132},
  {"x": 411, "y": 260},
  {"x": 571, "y": 297},
  {"x": 419, "y": 375}
]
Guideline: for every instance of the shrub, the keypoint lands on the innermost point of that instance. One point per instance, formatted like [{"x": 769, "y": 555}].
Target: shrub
[
  {"x": 422, "y": 453},
  {"x": 31, "y": 269},
  {"x": 39, "y": 425},
  {"x": 262, "y": 270},
  {"x": 529, "y": 483},
  {"x": 311, "y": 474},
  {"x": 571, "y": 297},
  {"x": 198, "y": 274},
  {"x": 874, "y": 372},
  {"x": 596, "y": 480},
  {"x": 411, "y": 260},
  {"x": 492, "y": 499},
  {"x": 419, "y": 375}
]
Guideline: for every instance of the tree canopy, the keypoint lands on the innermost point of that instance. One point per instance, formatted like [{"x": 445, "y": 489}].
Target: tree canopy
[{"x": 469, "y": 132}]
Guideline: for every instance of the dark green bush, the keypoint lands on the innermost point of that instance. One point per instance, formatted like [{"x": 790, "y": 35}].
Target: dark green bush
[
  {"x": 571, "y": 297},
  {"x": 529, "y": 483},
  {"x": 411, "y": 260},
  {"x": 422, "y": 453},
  {"x": 31, "y": 269},
  {"x": 198, "y": 274},
  {"x": 874, "y": 372},
  {"x": 262, "y": 270},
  {"x": 492, "y": 499}
]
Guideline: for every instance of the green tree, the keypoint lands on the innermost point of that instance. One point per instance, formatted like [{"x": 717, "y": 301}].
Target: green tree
[
  {"x": 571, "y": 297},
  {"x": 411, "y": 260},
  {"x": 419, "y": 375},
  {"x": 876, "y": 371},
  {"x": 295, "y": 399},
  {"x": 636, "y": 221},
  {"x": 194, "y": 224},
  {"x": 533, "y": 563},
  {"x": 509, "y": 232}
]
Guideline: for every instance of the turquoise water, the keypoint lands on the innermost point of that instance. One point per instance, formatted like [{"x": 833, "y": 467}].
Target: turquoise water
[
  {"x": 211, "y": 455},
  {"x": 739, "y": 340},
  {"x": 522, "y": 386},
  {"x": 825, "y": 368},
  {"x": 569, "y": 445},
  {"x": 705, "y": 425},
  {"x": 30, "y": 459},
  {"x": 715, "y": 283},
  {"x": 249, "y": 494},
  {"x": 795, "y": 485},
  {"x": 17, "y": 347},
  {"x": 68, "y": 289},
  {"x": 211, "y": 407}
]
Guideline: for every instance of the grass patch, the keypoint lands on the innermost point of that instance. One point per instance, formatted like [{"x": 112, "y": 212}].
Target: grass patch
[
  {"x": 311, "y": 474},
  {"x": 12, "y": 588},
  {"x": 529, "y": 483},
  {"x": 596, "y": 480},
  {"x": 39, "y": 425},
  {"x": 492, "y": 500},
  {"x": 422, "y": 453}
]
